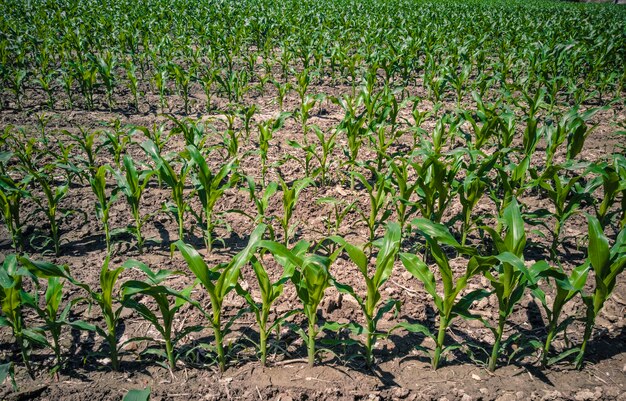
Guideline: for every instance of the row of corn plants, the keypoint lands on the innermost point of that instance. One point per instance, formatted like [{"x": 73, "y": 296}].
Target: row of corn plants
[
  {"x": 31, "y": 287},
  {"x": 112, "y": 59}
]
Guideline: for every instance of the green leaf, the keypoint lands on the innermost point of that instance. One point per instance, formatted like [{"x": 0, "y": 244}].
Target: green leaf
[
  {"x": 598, "y": 248},
  {"x": 197, "y": 265},
  {"x": 515, "y": 239},
  {"x": 419, "y": 270},
  {"x": 138, "y": 395},
  {"x": 413, "y": 328}
]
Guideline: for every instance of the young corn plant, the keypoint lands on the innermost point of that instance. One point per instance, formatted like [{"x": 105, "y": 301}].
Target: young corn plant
[
  {"x": 168, "y": 301},
  {"x": 334, "y": 220},
  {"x": 261, "y": 202},
  {"x": 370, "y": 304},
  {"x": 53, "y": 317},
  {"x": 86, "y": 73},
  {"x": 291, "y": 193},
  {"x": 104, "y": 297},
  {"x": 311, "y": 277},
  {"x": 117, "y": 142},
  {"x": 156, "y": 134},
  {"x": 577, "y": 130},
  {"x": 607, "y": 263},
  {"x": 470, "y": 193},
  {"x": 327, "y": 146},
  {"x": 12, "y": 297},
  {"x": 565, "y": 289},
  {"x": 210, "y": 187},
  {"x": 613, "y": 178},
  {"x": 87, "y": 142},
  {"x": 488, "y": 117},
  {"x": 160, "y": 82},
  {"x": 132, "y": 184},
  {"x": 355, "y": 131},
  {"x": 448, "y": 307},
  {"x": 246, "y": 114},
  {"x": 282, "y": 89},
  {"x": 403, "y": 188},
  {"x": 67, "y": 79},
  {"x": 572, "y": 128},
  {"x": 12, "y": 194},
  {"x": 191, "y": 131},
  {"x": 106, "y": 65},
  {"x": 218, "y": 282},
  {"x": 306, "y": 161},
  {"x": 46, "y": 81},
  {"x": 270, "y": 292},
  {"x": 566, "y": 195},
  {"x": 266, "y": 133},
  {"x": 103, "y": 201},
  {"x": 176, "y": 182},
  {"x": 382, "y": 141},
  {"x": 133, "y": 82},
  {"x": 302, "y": 114},
  {"x": 378, "y": 195},
  {"x": 436, "y": 185},
  {"x": 183, "y": 79},
  {"x": 17, "y": 79},
  {"x": 207, "y": 78},
  {"x": 53, "y": 191},
  {"x": 230, "y": 137},
  {"x": 511, "y": 277},
  {"x": 419, "y": 117}
]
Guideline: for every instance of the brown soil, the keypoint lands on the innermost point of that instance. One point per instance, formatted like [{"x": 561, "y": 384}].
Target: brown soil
[{"x": 400, "y": 373}]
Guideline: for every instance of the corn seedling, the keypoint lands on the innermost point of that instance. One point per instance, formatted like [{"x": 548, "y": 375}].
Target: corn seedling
[
  {"x": 11, "y": 302},
  {"x": 311, "y": 278},
  {"x": 566, "y": 288},
  {"x": 218, "y": 282},
  {"x": 103, "y": 201},
  {"x": 12, "y": 194},
  {"x": 176, "y": 182},
  {"x": 378, "y": 196},
  {"x": 54, "y": 318},
  {"x": 511, "y": 277},
  {"x": 370, "y": 304},
  {"x": 266, "y": 133},
  {"x": 291, "y": 193},
  {"x": 210, "y": 187},
  {"x": 132, "y": 184},
  {"x": 447, "y": 305},
  {"x": 607, "y": 263},
  {"x": 270, "y": 292},
  {"x": 169, "y": 302}
]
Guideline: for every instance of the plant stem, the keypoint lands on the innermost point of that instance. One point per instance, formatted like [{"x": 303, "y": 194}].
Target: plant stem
[
  {"x": 588, "y": 330},
  {"x": 169, "y": 349},
  {"x": 548, "y": 343},
  {"x": 311, "y": 343},
  {"x": 441, "y": 336},
  {"x": 217, "y": 329},
  {"x": 369, "y": 343},
  {"x": 139, "y": 237},
  {"x": 107, "y": 236},
  {"x": 263, "y": 336},
  {"x": 496, "y": 346},
  {"x": 115, "y": 364},
  {"x": 209, "y": 230},
  {"x": 180, "y": 223}
]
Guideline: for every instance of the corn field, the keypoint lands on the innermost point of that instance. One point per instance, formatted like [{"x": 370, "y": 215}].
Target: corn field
[{"x": 296, "y": 187}]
